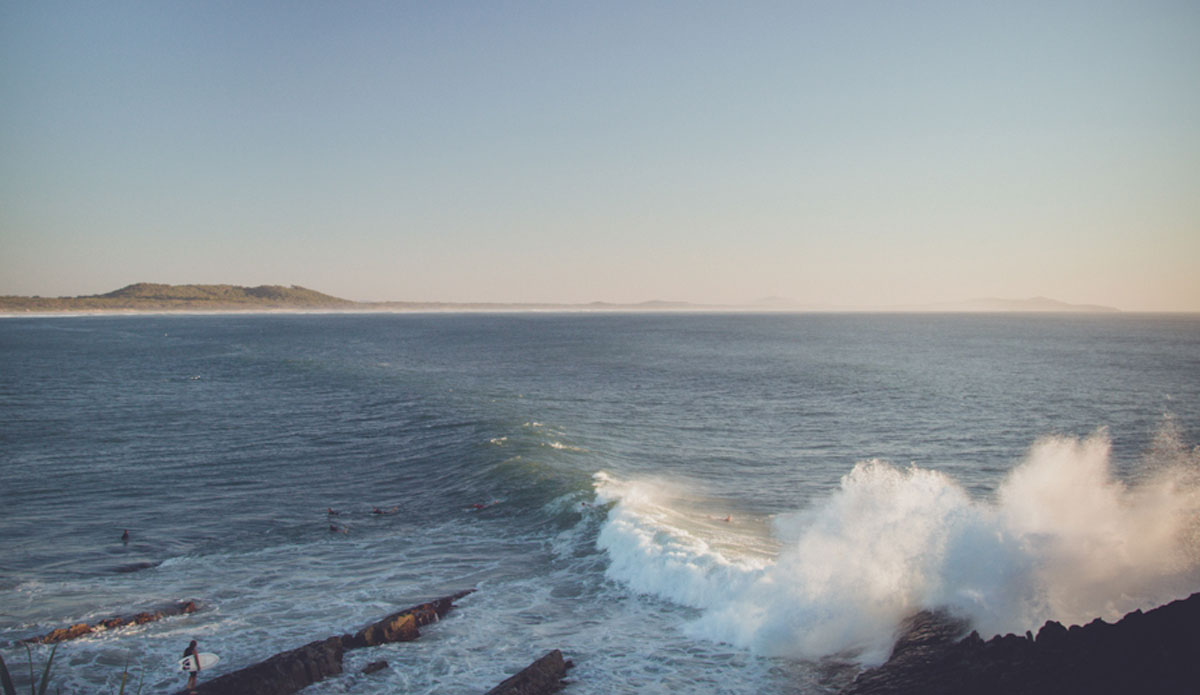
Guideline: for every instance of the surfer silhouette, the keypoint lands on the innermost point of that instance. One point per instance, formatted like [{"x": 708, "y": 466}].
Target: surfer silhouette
[
  {"x": 125, "y": 537},
  {"x": 193, "y": 651}
]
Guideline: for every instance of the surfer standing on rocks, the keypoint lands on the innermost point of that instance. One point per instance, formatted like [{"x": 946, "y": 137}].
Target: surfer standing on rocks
[{"x": 193, "y": 651}]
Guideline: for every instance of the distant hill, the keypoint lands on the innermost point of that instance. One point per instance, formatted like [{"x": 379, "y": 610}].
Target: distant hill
[{"x": 145, "y": 296}]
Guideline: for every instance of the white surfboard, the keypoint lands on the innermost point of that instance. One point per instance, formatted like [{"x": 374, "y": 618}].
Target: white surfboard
[{"x": 206, "y": 659}]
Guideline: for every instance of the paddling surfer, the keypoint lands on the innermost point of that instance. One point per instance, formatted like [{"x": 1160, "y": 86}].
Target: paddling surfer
[{"x": 193, "y": 651}]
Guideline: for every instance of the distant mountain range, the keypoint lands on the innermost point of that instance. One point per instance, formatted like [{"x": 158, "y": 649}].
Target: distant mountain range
[{"x": 159, "y": 297}]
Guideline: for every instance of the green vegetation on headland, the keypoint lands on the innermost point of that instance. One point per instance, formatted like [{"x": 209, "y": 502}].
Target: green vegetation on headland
[{"x": 155, "y": 297}]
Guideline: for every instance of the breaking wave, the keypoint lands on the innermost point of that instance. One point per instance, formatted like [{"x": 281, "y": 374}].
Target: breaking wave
[{"x": 1060, "y": 539}]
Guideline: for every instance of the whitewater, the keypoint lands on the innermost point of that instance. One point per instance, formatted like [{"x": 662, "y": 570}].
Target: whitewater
[
  {"x": 699, "y": 503},
  {"x": 1060, "y": 540}
]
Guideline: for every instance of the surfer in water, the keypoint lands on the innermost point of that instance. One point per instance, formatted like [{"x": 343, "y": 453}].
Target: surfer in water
[
  {"x": 192, "y": 650},
  {"x": 125, "y": 537}
]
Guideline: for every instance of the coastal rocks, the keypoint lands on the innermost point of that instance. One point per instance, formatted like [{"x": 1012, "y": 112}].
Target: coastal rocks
[
  {"x": 542, "y": 676},
  {"x": 402, "y": 626},
  {"x": 80, "y": 629},
  {"x": 374, "y": 666},
  {"x": 1143, "y": 652},
  {"x": 282, "y": 674},
  {"x": 290, "y": 671},
  {"x": 394, "y": 628}
]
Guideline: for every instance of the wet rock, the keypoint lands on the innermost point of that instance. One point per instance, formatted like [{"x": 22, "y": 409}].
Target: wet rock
[
  {"x": 542, "y": 676},
  {"x": 282, "y": 674},
  {"x": 290, "y": 671},
  {"x": 402, "y": 626},
  {"x": 80, "y": 629},
  {"x": 1143, "y": 652},
  {"x": 374, "y": 666},
  {"x": 926, "y": 633}
]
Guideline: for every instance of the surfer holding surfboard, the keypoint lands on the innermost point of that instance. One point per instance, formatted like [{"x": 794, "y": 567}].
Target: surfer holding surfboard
[
  {"x": 191, "y": 651},
  {"x": 193, "y": 660}
]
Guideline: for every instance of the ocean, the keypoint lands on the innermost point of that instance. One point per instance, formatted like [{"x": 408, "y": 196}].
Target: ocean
[{"x": 701, "y": 503}]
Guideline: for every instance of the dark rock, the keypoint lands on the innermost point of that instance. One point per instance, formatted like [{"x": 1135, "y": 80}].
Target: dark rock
[
  {"x": 81, "y": 629},
  {"x": 927, "y": 631},
  {"x": 542, "y": 676},
  {"x": 1143, "y": 652},
  {"x": 290, "y": 671},
  {"x": 374, "y": 666},
  {"x": 402, "y": 626},
  {"x": 282, "y": 674},
  {"x": 922, "y": 647},
  {"x": 1052, "y": 635}
]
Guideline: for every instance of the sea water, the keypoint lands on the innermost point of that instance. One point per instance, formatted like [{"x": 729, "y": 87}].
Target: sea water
[{"x": 709, "y": 503}]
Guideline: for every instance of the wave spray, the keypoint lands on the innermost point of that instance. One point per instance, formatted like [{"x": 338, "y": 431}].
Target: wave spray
[{"x": 1061, "y": 539}]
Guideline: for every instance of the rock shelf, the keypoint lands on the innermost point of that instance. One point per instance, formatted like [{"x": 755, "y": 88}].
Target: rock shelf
[
  {"x": 1152, "y": 652},
  {"x": 290, "y": 671}
]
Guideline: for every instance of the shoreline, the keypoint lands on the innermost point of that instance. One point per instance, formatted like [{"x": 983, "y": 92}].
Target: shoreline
[
  {"x": 162, "y": 298},
  {"x": 566, "y": 310}
]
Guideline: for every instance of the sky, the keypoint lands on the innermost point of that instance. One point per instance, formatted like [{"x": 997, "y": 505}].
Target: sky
[{"x": 854, "y": 153}]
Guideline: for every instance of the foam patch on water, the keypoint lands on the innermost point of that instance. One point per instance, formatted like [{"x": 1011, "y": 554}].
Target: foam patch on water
[{"x": 1062, "y": 539}]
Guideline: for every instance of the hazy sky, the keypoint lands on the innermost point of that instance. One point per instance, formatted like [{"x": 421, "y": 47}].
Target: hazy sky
[{"x": 852, "y": 153}]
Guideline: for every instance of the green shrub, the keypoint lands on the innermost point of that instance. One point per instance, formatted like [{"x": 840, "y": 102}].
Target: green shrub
[{"x": 34, "y": 688}]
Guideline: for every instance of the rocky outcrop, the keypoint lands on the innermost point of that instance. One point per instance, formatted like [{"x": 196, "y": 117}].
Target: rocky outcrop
[
  {"x": 1143, "y": 652},
  {"x": 402, "y": 626},
  {"x": 283, "y": 673},
  {"x": 542, "y": 676},
  {"x": 81, "y": 629},
  {"x": 290, "y": 671}
]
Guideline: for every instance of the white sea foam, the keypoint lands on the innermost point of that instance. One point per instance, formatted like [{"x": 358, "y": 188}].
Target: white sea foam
[
  {"x": 1061, "y": 540},
  {"x": 657, "y": 547}
]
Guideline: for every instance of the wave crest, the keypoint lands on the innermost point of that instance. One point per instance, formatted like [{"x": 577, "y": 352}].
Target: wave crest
[{"x": 1062, "y": 539}]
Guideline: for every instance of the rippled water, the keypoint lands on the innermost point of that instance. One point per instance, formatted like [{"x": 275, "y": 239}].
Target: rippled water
[{"x": 1010, "y": 467}]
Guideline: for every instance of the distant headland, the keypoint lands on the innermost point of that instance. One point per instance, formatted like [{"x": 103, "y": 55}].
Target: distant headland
[
  {"x": 154, "y": 297},
  {"x": 145, "y": 296}
]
